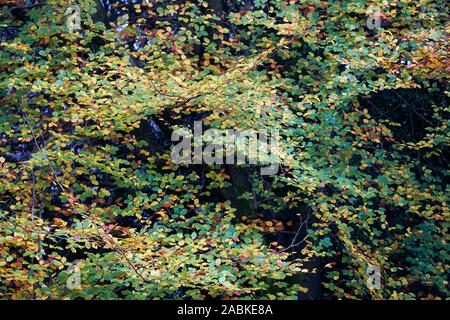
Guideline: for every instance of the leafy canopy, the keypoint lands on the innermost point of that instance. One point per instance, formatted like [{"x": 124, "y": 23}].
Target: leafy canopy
[{"x": 84, "y": 180}]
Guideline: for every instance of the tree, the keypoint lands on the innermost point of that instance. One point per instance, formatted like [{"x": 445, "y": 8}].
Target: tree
[{"x": 87, "y": 180}]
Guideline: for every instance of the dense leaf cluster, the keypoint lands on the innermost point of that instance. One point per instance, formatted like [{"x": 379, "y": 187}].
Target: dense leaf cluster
[{"x": 86, "y": 177}]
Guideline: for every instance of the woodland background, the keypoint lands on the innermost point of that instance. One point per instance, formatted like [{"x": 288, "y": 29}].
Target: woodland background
[{"x": 87, "y": 184}]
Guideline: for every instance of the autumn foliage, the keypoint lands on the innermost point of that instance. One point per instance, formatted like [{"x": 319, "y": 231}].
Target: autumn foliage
[{"x": 87, "y": 182}]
